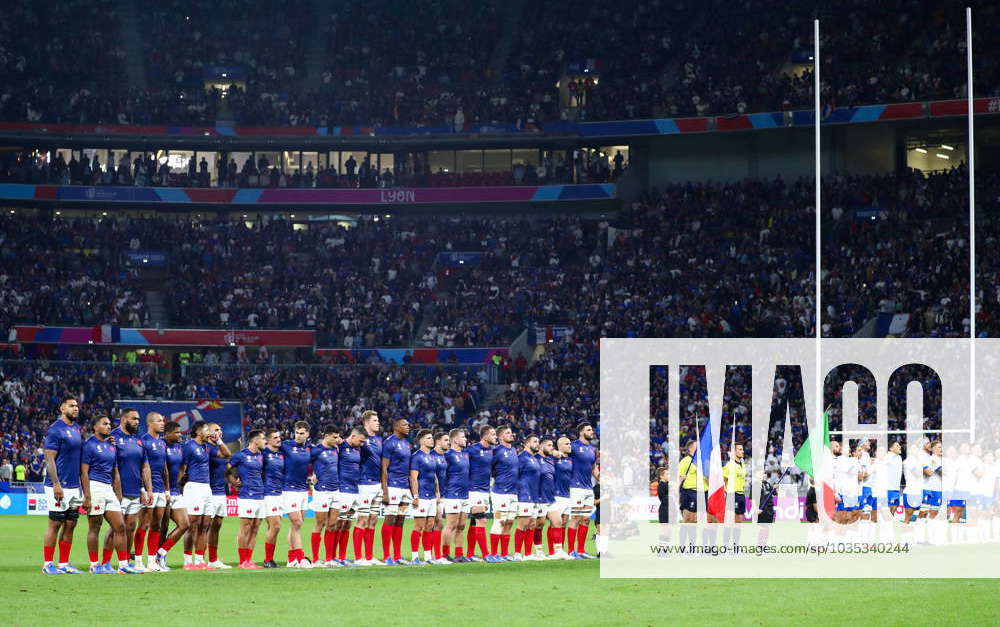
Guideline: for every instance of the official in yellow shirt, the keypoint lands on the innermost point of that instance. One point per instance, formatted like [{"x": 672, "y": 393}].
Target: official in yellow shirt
[
  {"x": 734, "y": 473},
  {"x": 688, "y": 478}
]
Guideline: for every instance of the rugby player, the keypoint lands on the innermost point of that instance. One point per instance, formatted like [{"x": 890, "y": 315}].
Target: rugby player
[
  {"x": 62, "y": 447},
  {"x": 154, "y": 514},
  {"x": 455, "y": 498},
  {"x": 325, "y": 464},
  {"x": 194, "y": 478},
  {"x": 370, "y": 486},
  {"x": 396, "y": 495},
  {"x": 178, "y": 511},
  {"x": 441, "y": 444},
  {"x": 219, "y": 455},
  {"x": 424, "y": 487},
  {"x": 528, "y": 486},
  {"x": 246, "y": 471},
  {"x": 504, "y": 495},
  {"x": 348, "y": 499},
  {"x": 480, "y": 473},
  {"x": 274, "y": 484},
  {"x": 913, "y": 492},
  {"x": 101, "y": 484},
  {"x": 559, "y": 511},
  {"x": 295, "y": 493},
  {"x": 583, "y": 455},
  {"x": 133, "y": 469}
]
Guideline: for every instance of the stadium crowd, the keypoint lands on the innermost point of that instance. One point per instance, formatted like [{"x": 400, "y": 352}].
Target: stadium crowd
[{"x": 434, "y": 64}]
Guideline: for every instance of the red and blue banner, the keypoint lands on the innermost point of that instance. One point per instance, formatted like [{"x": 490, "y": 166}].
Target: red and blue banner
[
  {"x": 318, "y": 196},
  {"x": 165, "y": 337},
  {"x": 425, "y": 356}
]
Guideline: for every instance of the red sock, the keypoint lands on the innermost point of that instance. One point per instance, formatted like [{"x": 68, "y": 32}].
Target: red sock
[
  {"x": 250, "y": 554},
  {"x": 359, "y": 543},
  {"x": 137, "y": 541},
  {"x": 330, "y": 543},
  {"x": 370, "y": 543},
  {"x": 169, "y": 544},
  {"x": 152, "y": 543},
  {"x": 93, "y": 556},
  {"x": 481, "y": 540},
  {"x": 291, "y": 556},
  {"x": 550, "y": 537},
  {"x": 268, "y": 552},
  {"x": 414, "y": 542},
  {"x": 538, "y": 537},
  {"x": 387, "y": 534},
  {"x": 437, "y": 544},
  {"x": 243, "y": 554},
  {"x": 560, "y": 536},
  {"x": 48, "y": 552},
  {"x": 504, "y": 544},
  {"x": 122, "y": 556},
  {"x": 571, "y": 540},
  {"x": 494, "y": 543},
  {"x": 470, "y": 540},
  {"x": 458, "y": 551},
  {"x": 397, "y": 542},
  {"x": 518, "y": 540},
  {"x": 446, "y": 550},
  {"x": 213, "y": 553},
  {"x": 345, "y": 536},
  {"x": 316, "y": 540},
  {"x": 428, "y": 543},
  {"x": 581, "y": 537},
  {"x": 300, "y": 554},
  {"x": 106, "y": 555},
  {"x": 64, "y": 548}
]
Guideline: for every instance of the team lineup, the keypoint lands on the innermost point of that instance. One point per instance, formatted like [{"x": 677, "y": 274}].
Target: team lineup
[{"x": 156, "y": 490}]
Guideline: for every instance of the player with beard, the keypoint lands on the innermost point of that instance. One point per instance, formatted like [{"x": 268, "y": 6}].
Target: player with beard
[
  {"x": 197, "y": 493},
  {"x": 560, "y": 511},
  {"x": 441, "y": 444},
  {"x": 154, "y": 514},
  {"x": 583, "y": 455},
  {"x": 136, "y": 483},
  {"x": 325, "y": 464},
  {"x": 546, "y": 493},
  {"x": 348, "y": 500},
  {"x": 246, "y": 468},
  {"x": 480, "y": 473},
  {"x": 62, "y": 447},
  {"x": 274, "y": 483},
  {"x": 370, "y": 486},
  {"x": 528, "y": 486},
  {"x": 503, "y": 498},
  {"x": 424, "y": 487}
]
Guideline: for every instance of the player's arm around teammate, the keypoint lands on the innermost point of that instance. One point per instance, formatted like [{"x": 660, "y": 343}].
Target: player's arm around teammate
[{"x": 102, "y": 497}]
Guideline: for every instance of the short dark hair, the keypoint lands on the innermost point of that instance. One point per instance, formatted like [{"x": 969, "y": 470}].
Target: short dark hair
[
  {"x": 128, "y": 410},
  {"x": 269, "y": 430},
  {"x": 583, "y": 425},
  {"x": 359, "y": 431},
  {"x": 483, "y": 430},
  {"x": 546, "y": 439},
  {"x": 254, "y": 434},
  {"x": 301, "y": 424},
  {"x": 503, "y": 428},
  {"x": 198, "y": 426},
  {"x": 65, "y": 398},
  {"x": 439, "y": 435},
  {"x": 422, "y": 433},
  {"x": 529, "y": 436},
  {"x": 96, "y": 419},
  {"x": 171, "y": 426},
  {"x": 330, "y": 430}
]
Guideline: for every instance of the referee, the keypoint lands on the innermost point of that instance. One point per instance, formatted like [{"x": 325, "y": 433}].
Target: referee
[
  {"x": 688, "y": 473},
  {"x": 734, "y": 473}
]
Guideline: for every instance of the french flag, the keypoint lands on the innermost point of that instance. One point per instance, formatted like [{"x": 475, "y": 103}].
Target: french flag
[{"x": 710, "y": 465}]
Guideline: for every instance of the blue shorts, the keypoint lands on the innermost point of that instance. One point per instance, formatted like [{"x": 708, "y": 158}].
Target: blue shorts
[
  {"x": 847, "y": 503},
  {"x": 908, "y": 504},
  {"x": 867, "y": 502},
  {"x": 958, "y": 498},
  {"x": 688, "y": 500},
  {"x": 932, "y": 498},
  {"x": 893, "y": 498}
]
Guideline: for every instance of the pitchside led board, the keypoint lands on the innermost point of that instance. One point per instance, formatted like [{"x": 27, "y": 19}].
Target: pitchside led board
[
  {"x": 229, "y": 415},
  {"x": 884, "y": 391}
]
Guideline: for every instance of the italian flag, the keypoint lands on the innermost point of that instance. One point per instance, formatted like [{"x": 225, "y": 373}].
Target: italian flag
[{"x": 819, "y": 471}]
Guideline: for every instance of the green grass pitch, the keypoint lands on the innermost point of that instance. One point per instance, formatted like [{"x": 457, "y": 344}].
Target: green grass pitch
[{"x": 535, "y": 593}]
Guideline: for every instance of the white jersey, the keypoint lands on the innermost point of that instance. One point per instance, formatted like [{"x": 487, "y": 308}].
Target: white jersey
[
  {"x": 949, "y": 473},
  {"x": 848, "y": 484},
  {"x": 866, "y": 467},
  {"x": 968, "y": 467},
  {"x": 914, "y": 467},
  {"x": 933, "y": 482},
  {"x": 893, "y": 471},
  {"x": 880, "y": 478}
]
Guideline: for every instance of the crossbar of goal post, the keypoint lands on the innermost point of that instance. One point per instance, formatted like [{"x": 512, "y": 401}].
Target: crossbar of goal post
[{"x": 896, "y": 431}]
